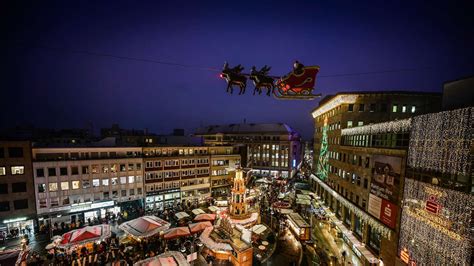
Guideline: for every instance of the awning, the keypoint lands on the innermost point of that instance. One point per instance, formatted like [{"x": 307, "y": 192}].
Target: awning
[
  {"x": 210, "y": 243},
  {"x": 205, "y": 217},
  {"x": 169, "y": 258},
  {"x": 181, "y": 215},
  {"x": 176, "y": 232},
  {"x": 198, "y": 211},
  {"x": 145, "y": 226},
  {"x": 305, "y": 197},
  {"x": 198, "y": 227},
  {"x": 85, "y": 235}
]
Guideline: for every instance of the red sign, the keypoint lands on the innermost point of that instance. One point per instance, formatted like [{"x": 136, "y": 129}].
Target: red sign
[
  {"x": 405, "y": 256},
  {"x": 388, "y": 213},
  {"x": 432, "y": 205}
]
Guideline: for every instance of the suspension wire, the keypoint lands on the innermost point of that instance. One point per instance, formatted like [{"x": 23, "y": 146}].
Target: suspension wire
[{"x": 207, "y": 68}]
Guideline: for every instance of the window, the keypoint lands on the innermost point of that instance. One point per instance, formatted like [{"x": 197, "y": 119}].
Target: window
[
  {"x": 394, "y": 108},
  {"x": 66, "y": 201},
  {"x": 383, "y": 107},
  {"x": 3, "y": 188},
  {"x": 18, "y": 170},
  {"x": 124, "y": 193},
  {"x": 53, "y": 187},
  {"x": 2, "y": 152},
  {"x": 86, "y": 184},
  {"x": 350, "y": 108},
  {"x": 75, "y": 184},
  {"x": 106, "y": 195},
  {"x": 85, "y": 169},
  {"x": 366, "y": 183},
  {"x": 95, "y": 182},
  {"x": 349, "y": 123},
  {"x": 95, "y": 169},
  {"x": 51, "y": 171},
  {"x": 105, "y": 182},
  {"x": 122, "y": 168},
  {"x": 360, "y": 123},
  {"x": 15, "y": 152},
  {"x": 372, "y": 107},
  {"x": 114, "y": 194},
  {"x": 41, "y": 188},
  {"x": 123, "y": 180},
  {"x": 4, "y": 206},
  {"x": 3, "y": 170},
  {"x": 130, "y": 166},
  {"x": 131, "y": 179},
  {"x": 361, "y": 107},
  {"x": 19, "y": 187},
  {"x": 42, "y": 203},
  {"x": 74, "y": 170},
  {"x": 404, "y": 108},
  {"x": 114, "y": 181},
  {"x": 413, "y": 109},
  {"x": 105, "y": 168},
  {"x": 63, "y": 171},
  {"x": 65, "y": 185},
  {"x": 132, "y": 192},
  {"x": 39, "y": 172},
  {"x": 20, "y": 204},
  {"x": 139, "y": 166},
  {"x": 139, "y": 191}
]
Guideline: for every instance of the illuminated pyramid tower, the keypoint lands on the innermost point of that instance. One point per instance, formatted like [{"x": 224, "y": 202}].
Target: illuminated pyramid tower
[{"x": 238, "y": 205}]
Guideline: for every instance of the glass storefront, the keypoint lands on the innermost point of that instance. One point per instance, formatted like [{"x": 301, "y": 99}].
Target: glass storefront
[
  {"x": 17, "y": 227},
  {"x": 164, "y": 200},
  {"x": 374, "y": 240}
]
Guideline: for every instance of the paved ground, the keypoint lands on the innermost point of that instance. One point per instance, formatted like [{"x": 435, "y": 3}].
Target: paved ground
[{"x": 288, "y": 251}]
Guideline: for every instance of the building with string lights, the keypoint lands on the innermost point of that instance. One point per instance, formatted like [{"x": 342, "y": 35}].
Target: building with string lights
[{"x": 360, "y": 148}]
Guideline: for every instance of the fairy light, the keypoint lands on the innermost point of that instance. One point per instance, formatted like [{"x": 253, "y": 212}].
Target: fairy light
[
  {"x": 436, "y": 239},
  {"x": 396, "y": 126},
  {"x": 334, "y": 102},
  {"x": 442, "y": 141}
]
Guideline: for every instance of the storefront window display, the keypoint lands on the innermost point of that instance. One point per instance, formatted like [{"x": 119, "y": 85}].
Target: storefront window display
[{"x": 374, "y": 240}]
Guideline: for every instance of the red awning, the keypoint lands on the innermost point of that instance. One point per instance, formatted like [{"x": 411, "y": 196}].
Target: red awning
[
  {"x": 198, "y": 227},
  {"x": 205, "y": 217},
  {"x": 176, "y": 232}
]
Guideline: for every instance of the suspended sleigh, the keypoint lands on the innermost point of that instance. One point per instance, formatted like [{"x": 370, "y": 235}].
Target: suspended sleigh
[{"x": 297, "y": 86}]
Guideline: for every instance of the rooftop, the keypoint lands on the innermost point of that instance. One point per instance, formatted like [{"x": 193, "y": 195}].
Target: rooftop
[{"x": 246, "y": 128}]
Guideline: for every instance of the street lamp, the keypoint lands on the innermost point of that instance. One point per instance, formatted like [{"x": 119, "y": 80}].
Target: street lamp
[{"x": 193, "y": 242}]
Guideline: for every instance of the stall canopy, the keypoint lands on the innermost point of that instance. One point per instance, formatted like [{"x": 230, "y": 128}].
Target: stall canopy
[
  {"x": 303, "y": 202},
  {"x": 305, "y": 197},
  {"x": 198, "y": 211},
  {"x": 259, "y": 229},
  {"x": 84, "y": 235},
  {"x": 213, "y": 208},
  {"x": 176, "y": 232},
  {"x": 263, "y": 181},
  {"x": 169, "y": 258},
  {"x": 210, "y": 243},
  {"x": 181, "y": 215},
  {"x": 198, "y": 227},
  {"x": 145, "y": 226},
  {"x": 205, "y": 217}
]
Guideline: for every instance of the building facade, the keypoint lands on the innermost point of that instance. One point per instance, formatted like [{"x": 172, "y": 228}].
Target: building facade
[
  {"x": 360, "y": 161},
  {"x": 186, "y": 175},
  {"x": 17, "y": 200},
  {"x": 269, "y": 149},
  {"x": 82, "y": 183}
]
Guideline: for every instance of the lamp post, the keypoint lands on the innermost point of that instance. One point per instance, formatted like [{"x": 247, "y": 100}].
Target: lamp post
[{"x": 193, "y": 242}]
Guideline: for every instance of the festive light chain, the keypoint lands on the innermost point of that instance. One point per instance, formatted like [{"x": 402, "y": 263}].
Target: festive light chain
[
  {"x": 379, "y": 128},
  {"x": 336, "y": 101},
  {"x": 366, "y": 218},
  {"x": 442, "y": 141},
  {"x": 430, "y": 243}
]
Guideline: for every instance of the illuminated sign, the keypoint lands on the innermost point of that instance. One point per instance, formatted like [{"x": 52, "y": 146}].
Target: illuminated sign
[
  {"x": 14, "y": 220},
  {"x": 102, "y": 204}
]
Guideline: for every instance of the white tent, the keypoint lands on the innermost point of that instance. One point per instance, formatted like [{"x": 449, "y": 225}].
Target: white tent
[
  {"x": 259, "y": 229},
  {"x": 181, "y": 215},
  {"x": 198, "y": 211},
  {"x": 213, "y": 208}
]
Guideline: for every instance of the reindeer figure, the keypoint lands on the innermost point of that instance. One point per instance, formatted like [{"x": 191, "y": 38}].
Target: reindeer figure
[
  {"x": 262, "y": 80},
  {"x": 233, "y": 77}
]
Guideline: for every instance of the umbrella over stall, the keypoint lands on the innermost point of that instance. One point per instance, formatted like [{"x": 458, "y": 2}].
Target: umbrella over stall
[
  {"x": 205, "y": 217},
  {"x": 176, "y": 232},
  {"x": 198, "y": 227}
]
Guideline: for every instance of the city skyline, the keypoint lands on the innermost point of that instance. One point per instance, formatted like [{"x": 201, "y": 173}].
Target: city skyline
[{"x": 61, "y": 88}]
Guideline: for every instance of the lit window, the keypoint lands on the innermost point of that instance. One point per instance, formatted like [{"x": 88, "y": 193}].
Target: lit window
[
  {"x": 53, "y": 187},
  {"x": 114, "y": 181},
  {"x": 3, "y": 171},
  {"x": 404, "y": 109},
  {"x": 131, "y": 179},
  {"x": 360, "y": 123},
  {"x": 41, "y": 188},
  {"x": 123, "y": 180},
  {"x": 105, "y": 182},
  {"x": 64, "y": 185},
  {"x": 349, "y": 123},
  {"x": 95, "y": 182},
  {"x": 413, "y": 109},
  {"x": 394, "y": 108},
  {"x": 75, "y": 184},
  {"x": 18, "y": 170}
]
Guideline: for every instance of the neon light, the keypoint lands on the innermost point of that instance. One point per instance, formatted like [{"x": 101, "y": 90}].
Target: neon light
[{"x": 14, "y": 220}]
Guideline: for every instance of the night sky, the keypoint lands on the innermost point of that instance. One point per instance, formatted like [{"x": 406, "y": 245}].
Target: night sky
[{"x": 61, "y": 88}]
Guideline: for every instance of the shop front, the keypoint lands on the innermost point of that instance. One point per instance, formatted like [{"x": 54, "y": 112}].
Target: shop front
[
  {"x": 160, "y": 200},
  {"x": 18, "y": 226}
]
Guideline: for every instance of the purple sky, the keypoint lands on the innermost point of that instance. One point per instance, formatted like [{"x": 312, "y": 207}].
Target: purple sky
[{"x": 51, "y": 88}]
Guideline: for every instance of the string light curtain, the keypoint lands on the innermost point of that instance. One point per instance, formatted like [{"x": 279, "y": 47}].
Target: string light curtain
[
  {"x": 397, "y": 126},
  {"x": 442, "y": 141},
  {"x": 442, "y": 238}
]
